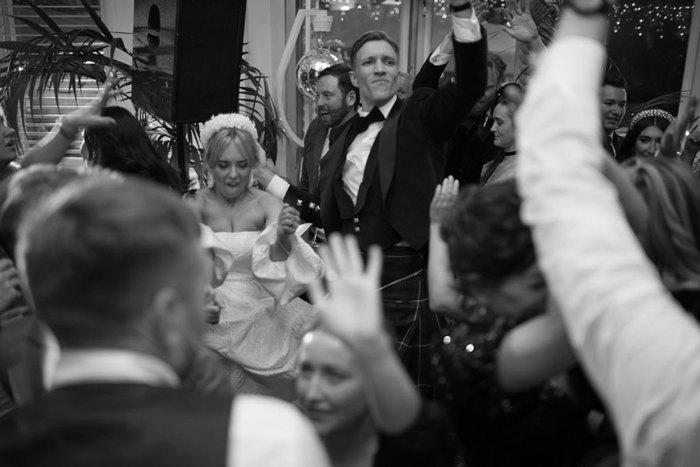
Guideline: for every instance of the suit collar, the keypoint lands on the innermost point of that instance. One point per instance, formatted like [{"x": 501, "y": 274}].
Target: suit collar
[{"x": 385, "y": 109}]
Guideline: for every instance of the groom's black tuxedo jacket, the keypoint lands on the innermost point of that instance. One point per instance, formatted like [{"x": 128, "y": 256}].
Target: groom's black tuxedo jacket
[{"x": 406, "y": 161}]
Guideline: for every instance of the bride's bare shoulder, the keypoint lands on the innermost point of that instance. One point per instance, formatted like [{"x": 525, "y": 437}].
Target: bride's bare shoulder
[{"x": 197, "y": 202}]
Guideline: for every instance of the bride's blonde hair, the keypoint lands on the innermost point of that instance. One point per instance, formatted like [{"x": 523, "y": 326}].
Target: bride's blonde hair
[{"x": 222, "y": 130}]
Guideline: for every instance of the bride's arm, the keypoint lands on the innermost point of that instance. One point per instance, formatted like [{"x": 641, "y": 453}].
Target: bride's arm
[{"x": 287, "y": 219}]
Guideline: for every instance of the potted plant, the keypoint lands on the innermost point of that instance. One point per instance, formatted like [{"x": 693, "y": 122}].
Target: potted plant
[{"x": 56, "y": 57}]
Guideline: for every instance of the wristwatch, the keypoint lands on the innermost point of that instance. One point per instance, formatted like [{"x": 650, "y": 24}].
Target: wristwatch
[
  {"x": 603, "y": 9},
  {"x": 455, "y": 9}
]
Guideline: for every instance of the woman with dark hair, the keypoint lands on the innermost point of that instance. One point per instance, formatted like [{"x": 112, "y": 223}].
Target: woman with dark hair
[
  {"x": 126, "y": 148},
  {"x": 644, "y": 135},
  {"x": 494, "y": 270}
]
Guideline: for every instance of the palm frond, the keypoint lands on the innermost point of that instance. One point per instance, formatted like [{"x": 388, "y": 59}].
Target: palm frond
[{"x": 57, "y": 58}]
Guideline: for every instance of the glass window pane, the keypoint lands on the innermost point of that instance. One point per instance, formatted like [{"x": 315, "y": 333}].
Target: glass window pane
[
  {"x": 648, "y": 42},
  {"x": 351, "y": 18}
]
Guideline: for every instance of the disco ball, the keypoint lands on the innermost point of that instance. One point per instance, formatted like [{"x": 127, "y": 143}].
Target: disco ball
[{"x": 310, "y": 65}]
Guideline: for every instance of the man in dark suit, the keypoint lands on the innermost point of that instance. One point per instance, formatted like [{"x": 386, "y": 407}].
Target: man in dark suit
[
  {"x": 613, "y": 104},
  {"x": 378, "y": 178},
  {"x": 336, "y": 104},
  {"x": 116, "y": 270}
]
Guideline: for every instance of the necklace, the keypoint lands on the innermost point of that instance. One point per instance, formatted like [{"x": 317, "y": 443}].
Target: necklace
[{"x": 229, "y": 204}]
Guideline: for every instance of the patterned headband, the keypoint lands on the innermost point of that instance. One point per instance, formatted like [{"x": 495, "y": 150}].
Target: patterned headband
[
  {"x": 651, "y": 113},
  {"x": 233, "y": 120}
]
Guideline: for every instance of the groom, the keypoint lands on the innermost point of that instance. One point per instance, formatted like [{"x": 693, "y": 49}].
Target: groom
[{"x": 379, "y": 176}]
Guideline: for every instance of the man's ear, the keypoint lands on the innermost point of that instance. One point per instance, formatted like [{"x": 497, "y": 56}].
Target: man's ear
[
  {"x": 171, "y": 326},
  {"x": 350, "y": 98}
]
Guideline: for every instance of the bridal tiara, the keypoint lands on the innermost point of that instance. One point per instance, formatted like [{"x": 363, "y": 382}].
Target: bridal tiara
[
  {"x": 651, "y": 113},
  {"x": 231, "y": 120}
]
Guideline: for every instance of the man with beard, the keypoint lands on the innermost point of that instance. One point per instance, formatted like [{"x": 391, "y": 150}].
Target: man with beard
[
  {"x": 336, "y": 104},
  {"x": 613, "y": 102}
]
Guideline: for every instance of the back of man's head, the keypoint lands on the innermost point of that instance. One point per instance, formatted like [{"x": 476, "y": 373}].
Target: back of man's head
[
  {"x": 23, "y": 191},
  {"x": 99, "y": 252}
]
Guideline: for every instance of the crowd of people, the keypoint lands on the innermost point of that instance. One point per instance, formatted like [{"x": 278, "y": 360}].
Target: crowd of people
[{"x": 502, "y": 280}]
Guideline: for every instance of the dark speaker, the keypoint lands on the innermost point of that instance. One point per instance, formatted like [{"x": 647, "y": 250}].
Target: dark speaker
[{"x": 188, "y": 55}]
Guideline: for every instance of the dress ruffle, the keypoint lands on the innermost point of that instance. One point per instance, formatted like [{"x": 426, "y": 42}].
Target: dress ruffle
[{"x": 285, "y": 280}]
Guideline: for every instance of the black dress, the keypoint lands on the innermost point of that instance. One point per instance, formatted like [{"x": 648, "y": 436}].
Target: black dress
[{"x": 541, "y": 427}]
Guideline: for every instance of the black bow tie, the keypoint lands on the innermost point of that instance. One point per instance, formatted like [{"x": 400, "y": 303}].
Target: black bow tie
[{"x": 360, "y": 124}]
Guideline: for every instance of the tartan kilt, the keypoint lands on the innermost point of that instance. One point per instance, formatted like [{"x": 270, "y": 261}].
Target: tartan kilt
[{"x": 404, "y": 287}]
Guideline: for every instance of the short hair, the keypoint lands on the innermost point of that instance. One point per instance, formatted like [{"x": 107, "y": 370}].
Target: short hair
[
  {"x": 485, "y": 236},
  {"x": 672, "y": 194},
  {"x": 25, "y": 190},
  {"x": 125, "y": 147},
  {"x": 342, "y": 72},
  {"x": 612, "y": 77},
  {"x": 371, "y": 36},
  {"x": 222, "y": 138},
  {"x": 96, "y": 253},
  {"x": 627, "y": 146},
  {"x": 495, "y": 62}
]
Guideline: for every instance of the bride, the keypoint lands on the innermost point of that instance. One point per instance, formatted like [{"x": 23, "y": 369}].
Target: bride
[{"x": 260, "y": 260}]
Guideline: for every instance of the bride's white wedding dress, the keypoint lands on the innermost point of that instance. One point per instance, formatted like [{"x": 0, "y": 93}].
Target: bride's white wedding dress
[{"x": 261, "y": 323}]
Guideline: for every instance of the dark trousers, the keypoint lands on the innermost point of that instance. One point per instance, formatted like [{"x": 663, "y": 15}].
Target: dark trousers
[{"x": 404, "y": 286}]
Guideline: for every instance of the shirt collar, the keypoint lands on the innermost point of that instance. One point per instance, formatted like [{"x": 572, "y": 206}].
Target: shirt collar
[
  {"x": 111, "y": 366},
  {"x": 384, "y": 109}
]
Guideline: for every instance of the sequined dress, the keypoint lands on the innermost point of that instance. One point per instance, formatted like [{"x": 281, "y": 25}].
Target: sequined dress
[
  {"x": 261, "y": 323},
  {"x": 541, "y": 427}
]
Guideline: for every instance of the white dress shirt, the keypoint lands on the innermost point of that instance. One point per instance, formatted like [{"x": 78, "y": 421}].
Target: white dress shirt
[
  {"x": 358, "y": 152},
  {"x": 640, "y": 349},
  {"x": 263, "y": 431}
]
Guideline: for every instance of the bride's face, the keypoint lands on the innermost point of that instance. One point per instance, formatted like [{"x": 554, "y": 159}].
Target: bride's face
[{"x": 231, "y": 173}]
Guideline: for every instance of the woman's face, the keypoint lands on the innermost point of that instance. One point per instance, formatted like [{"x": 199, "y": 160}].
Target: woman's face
[
  {"x": 519, "y": 296},
  {"x": 231, "y": 172},
  {"x": 330, "y": 388},
  {"x": 648, "y": 142},
  {"x": 503, "y": 129}
]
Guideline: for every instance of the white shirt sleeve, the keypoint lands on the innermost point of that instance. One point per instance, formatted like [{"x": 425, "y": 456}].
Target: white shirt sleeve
[
  {"x": 638, "y": 346},
  {"x": 278, "y": 187},
  {"x": 466, "y": 29},
  {"x": 268, "y": 432},
  {"x": 439, "y": 58}
]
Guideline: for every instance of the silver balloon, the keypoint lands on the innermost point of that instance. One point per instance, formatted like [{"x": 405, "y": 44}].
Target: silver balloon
[{"x": 310, "y": 65}]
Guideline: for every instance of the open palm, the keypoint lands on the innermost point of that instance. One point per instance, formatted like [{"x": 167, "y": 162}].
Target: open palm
[{"x": 352, "y": 309}]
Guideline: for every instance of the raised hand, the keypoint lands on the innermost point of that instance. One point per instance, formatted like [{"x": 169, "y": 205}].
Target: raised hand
[
  {"x": 287, "y": 222},
  {"x": 481, "y": 9},
  {"x": 444, "y": 198},
  {"x": 676, "y": 131},
  {"x": 352, "y": 309},
  {"x": 89, "y": 117},
  {"x": 519, "y": 22}
]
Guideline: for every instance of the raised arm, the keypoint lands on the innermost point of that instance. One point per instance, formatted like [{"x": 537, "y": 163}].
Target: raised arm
[
  {"x": 429, "y": 74},
  {"x": 352, "y": 310},
  {"x": 441, "y": 111},
  {"x": 444, "y": 297},
  {"x": 637, "y": 345},
  {"x": 52, "y": 148}
]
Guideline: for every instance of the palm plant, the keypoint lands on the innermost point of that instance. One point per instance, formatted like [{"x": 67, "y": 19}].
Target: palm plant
[{"x": 56, "y": 57}]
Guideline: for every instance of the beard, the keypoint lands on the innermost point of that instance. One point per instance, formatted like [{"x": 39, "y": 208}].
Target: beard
[{"x": 332, "y": 117}]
